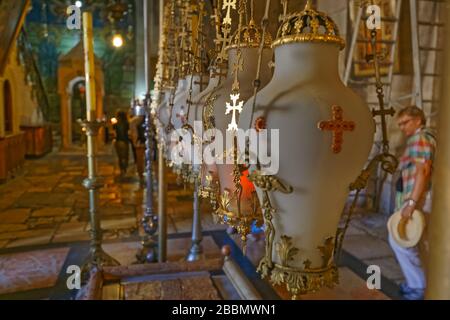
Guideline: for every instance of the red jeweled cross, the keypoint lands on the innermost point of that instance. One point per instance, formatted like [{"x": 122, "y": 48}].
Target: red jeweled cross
[{"x": 338, "y": 126}]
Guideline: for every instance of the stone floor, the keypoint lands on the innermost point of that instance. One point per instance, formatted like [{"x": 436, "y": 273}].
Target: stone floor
[
  {"x": 44, "y": 226},
  {"x": 367, "y": 240},
  {"x": 47, "y": 204}
]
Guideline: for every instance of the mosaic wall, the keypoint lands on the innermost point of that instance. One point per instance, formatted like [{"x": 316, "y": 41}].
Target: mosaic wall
[{"x": 50, "y": 39}]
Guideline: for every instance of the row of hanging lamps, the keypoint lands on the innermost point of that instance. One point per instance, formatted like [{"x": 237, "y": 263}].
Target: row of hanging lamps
[
  {"x": 196, "y": 81},
  {"x": 218, "y": 67},
  {"x": 162, "y": 77},
  {"x": 325, "y": 136},
  {"x": 170, "y": 64},
  {"x": 237, "y": 203},
  {"x": 218, "y": 71},
  {"x": 189, "y": 84}
]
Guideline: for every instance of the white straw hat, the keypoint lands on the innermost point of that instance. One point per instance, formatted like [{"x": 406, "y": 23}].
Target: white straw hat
[{"x": 406, "y": 233}]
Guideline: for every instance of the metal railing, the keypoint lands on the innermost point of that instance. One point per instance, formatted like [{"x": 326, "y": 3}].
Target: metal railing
[{"x": 32, "y": 73}]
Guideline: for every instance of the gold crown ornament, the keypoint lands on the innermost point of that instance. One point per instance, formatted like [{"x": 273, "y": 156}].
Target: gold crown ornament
[
  {"x": 308, "y": 25},
  {"x": 249, "y": 37}
]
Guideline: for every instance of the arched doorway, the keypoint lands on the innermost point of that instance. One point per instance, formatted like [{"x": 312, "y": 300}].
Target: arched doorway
[
  {"x": 77, "y": 109},
  {"x": 70, "y": 77},
  {"x": 8, "y": 107}
]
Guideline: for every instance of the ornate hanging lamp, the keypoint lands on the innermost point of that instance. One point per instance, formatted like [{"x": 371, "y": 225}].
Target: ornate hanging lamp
[
  {"x": 171, "y": 72},
  {"x": 325, "y": 136},
  {"x": 217, "y": 73},
  {"x": 183, "y": 53},
  {"x": 162, "y": 78},
  {"x": 237, "y": 203},
  {"x": 203, "y": 111},
  {"x": 195, "y": 81}
]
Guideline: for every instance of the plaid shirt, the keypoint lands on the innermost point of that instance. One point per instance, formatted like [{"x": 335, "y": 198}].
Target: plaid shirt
[{"x": 420, "y": 148}]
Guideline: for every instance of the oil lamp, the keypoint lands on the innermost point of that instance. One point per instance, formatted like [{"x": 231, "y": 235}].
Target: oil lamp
[{"x": 325, "y": 136}]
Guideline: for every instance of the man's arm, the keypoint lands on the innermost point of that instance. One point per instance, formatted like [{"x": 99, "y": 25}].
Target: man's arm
[{"x": 422, "y": 178}]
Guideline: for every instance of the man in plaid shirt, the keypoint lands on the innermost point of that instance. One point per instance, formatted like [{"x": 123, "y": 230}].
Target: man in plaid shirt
[{"x": 414, "y": 192}]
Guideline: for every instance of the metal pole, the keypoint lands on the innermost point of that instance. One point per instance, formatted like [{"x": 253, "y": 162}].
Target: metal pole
[
  {"x": 150, "y": 220},
  {"x": 162, "y": 198},
  {"x": 196, "y": 248},
  {"x": 162, "y": 186},
  {"x": 97, "y": 257},
  {"x": 147, "y": 45}
]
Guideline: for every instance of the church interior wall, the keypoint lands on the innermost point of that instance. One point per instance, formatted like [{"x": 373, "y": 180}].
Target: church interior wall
[{"x": 23, "y": 103}]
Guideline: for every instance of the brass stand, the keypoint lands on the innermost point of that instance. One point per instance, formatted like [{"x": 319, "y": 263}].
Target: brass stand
[
  {"x": 97, "y": 258},
  {"x": 150, "y": 221},
  {"x": 196, "y": 249},
  {"x": 162, "y": 201}
]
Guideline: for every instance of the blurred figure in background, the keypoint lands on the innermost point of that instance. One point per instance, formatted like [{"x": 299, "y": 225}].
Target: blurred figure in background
[
  {"x": 122, "y": 142},
  {"x": 137, "y": 134},
  {"x": 105, "y": 119}
]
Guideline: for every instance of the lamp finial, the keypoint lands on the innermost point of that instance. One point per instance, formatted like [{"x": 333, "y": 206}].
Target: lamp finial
[{"x": 308, "y": 5}]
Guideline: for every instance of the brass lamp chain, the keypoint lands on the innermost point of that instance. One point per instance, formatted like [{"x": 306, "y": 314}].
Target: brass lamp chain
[
  {"x": 285, "y": 4},
  {"x": 196, "y": 63},
  {"x": 267, "y": 206},
  {"x": 170, "y": 126},
  {"x": 216, "y": 17},
  {"x": 382, "y": 112},
  {"x": 238, "y": 65},
  {"x": 385, "y": 159},
  {"x": 176, "y": 61},
  {"x": 257, "y": 81},
  {"x": 236, "y": 88}
]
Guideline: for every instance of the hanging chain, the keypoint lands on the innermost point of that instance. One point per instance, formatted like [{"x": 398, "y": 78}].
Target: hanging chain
[
  {"x": 176, "y": 62},
  {"x": 235, "y": 89},
  {"x": 267, "y": 207},
  {"x": 284, "y": 3},
  {"x": 385, "y": 159},
  {"x": 197, "y": 63},
  {"x": 238, "y": 64},
  {"x": 257, "y": 81},
  {"x": 382, "y": 112}
]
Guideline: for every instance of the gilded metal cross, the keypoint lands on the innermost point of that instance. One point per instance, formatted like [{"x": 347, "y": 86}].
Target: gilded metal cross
[
  {"x": 237, "y": 66},
  {"x": 338, "y": 126},
  {"x": 233, "y": 108},
  {"x": 223, "y": 41},
  {"x": 377, "y": 58},
  {"x": 227, "y": 5}
]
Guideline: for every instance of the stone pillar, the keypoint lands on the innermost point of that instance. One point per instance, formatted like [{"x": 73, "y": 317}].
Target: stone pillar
[{"x": 439, "y": 229}]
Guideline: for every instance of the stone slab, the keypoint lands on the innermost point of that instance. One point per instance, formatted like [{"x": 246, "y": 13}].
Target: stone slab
[
  {"x": 45, "y": 199},
  {"x": 13, "y": 216},
  {"x": 52, "y": 212},
  {"x": 366, "y": 247},
  {"x": 389, "y": 268},
  {"x": 31, "y": 270}
]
